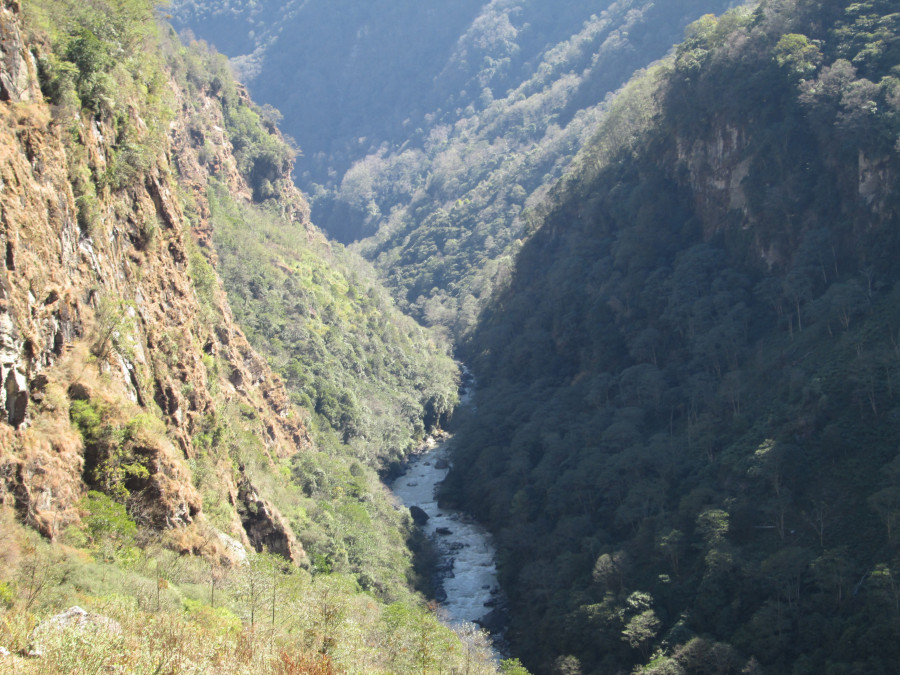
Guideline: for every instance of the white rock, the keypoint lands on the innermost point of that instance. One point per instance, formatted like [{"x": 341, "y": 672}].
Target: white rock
[
  {"x": 74, "y": 618},
  {"x": 235, "y": 547}
]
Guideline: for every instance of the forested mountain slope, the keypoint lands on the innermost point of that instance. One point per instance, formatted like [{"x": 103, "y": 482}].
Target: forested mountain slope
[
  {"x": 686, "y": 433},
  {"x": 434, "y": 153},
  {"x": 153, "y": 467},
  {"x": 370, "y": 66}
]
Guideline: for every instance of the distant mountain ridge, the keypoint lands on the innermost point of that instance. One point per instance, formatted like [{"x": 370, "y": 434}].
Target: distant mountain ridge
[{"x": 432, "y": 156}]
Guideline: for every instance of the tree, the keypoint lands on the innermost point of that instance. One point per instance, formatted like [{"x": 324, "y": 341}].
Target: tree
[
  {"x": 831, "y": 571},
  {"x": 512, "y": 667},
  {"x": 115, "y": 326},
  {"x": 38, "y": 570},
  {"x": 816, "y": 516},
  {"x": 713, "y": 526},
  {"x": 886, "y": 503},
  {"x": 329, "y": 609},
  {"x": 796, "y": 53},
  {"x": 109, "y": 528},
  {"x": 768, "y": 463},
  {"x": 642, "y": 625},
  {"x": 476, "y": 648},
  {"x": 610, "y": 569},
  {"x": 254, "y": 585},
  {"x": 672, "y": 545},
  {"x": 641, "y": 630},
  {"x": 886, "y": 586},
  {"x": 567, "y": 665}
]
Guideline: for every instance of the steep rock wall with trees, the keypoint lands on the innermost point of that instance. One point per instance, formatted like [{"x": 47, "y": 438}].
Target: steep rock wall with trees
[
  {"x": 152, "y": 466},
  {"x": 104, "y": 283}
]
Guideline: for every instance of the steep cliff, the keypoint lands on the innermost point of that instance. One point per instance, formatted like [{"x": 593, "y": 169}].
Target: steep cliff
[
  {"x": 152, "y": 466},
  {"x": 108, "y": 299}
]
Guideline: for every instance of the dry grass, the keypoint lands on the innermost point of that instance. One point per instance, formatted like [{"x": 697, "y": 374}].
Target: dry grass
[
  {"x": 39, "y": 580},
  {"x": 168, "y": 643}
]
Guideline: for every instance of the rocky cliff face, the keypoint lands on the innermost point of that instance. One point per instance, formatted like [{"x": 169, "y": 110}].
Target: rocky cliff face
[
  {"x": 717, "y": 164},
  {"x": 116, "y": 306},
  {"x": 716, "y": 167}
]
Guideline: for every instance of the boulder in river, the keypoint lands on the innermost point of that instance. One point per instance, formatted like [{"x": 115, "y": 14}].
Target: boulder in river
[
  {"x": 495, "y": 622},
  {"x": 444, "y": 531},
  {"x": 418, "y": 515}
]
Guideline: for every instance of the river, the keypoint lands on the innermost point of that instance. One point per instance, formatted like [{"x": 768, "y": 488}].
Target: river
[{"x": 467, "y": 573}]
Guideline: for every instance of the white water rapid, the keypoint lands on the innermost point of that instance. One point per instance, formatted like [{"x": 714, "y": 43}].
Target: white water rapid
[
  {"x": 468, "y": 591},
  {"x": 467, "y": 570}
]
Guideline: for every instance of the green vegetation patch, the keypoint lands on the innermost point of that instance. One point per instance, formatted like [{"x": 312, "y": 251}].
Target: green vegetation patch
[{"x": 364, "y": 371}]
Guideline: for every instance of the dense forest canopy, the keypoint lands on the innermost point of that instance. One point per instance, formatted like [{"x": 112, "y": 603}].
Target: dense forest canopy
[
  {"x": 684, "y": 336},
  {"x": 687, "y": 391}
]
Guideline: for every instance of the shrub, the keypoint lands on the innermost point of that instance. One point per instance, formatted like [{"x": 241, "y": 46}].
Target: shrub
[
  {"x": 107, "y": 523},
  {"x": 7, "y": 597}
]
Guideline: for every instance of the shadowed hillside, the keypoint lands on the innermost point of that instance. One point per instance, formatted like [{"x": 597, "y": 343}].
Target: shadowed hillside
[
  {"x": 432, "y": 156},
  {"x": 687, "y": 391}
]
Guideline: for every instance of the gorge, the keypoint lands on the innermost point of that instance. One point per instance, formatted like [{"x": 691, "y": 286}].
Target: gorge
[{"x": 671, "y": 269}]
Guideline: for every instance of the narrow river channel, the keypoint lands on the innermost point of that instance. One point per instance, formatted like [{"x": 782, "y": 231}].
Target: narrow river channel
[
  {"x": 467, "y": 587},
  {"x": 466, "y": 575},
  {"x": 467, "y": 569}
]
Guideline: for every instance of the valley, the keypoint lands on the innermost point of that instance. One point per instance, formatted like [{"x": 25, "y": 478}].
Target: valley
[{"x": 662, "y": 237}]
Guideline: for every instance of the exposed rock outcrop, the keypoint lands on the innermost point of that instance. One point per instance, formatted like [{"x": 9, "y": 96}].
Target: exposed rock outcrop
[
  {"x": 265, "y": 528},
  {"x": 418, "y": 514},
  {"x": 716, "y": 168},
  {"x": 17, "y": 81},
  {"x": 87, "y": 624},
  {"x": 717, "y": 165},
  {"x": 98, "y": 304}
]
